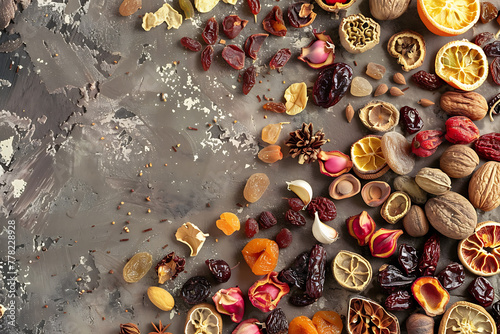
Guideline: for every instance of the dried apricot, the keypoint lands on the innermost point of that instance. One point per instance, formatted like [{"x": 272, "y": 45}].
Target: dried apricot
[
  {"x": 302, "y": 325},
  {"x": 261, "y": 255},
  {"x": 228, "y": 223},
  {"x": 327, "y": 322}
]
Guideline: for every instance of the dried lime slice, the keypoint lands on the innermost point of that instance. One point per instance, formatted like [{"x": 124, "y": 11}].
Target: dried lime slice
[
  {"x": 465, "y": 317},
  {"x": 352, "y": 271},
  {"x": 137, "y": 267},
  {"x": 203, "y": 319}
]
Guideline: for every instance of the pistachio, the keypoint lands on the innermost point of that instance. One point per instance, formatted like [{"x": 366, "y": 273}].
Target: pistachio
[{"x": 161, "y": 298}]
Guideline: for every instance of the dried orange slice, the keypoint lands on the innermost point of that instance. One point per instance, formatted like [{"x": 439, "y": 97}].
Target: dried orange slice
[
  {"x": 448, "y": 17},
  {"x": 462, "y": 64},
  {"x": 480, "y": 252},
  {"x": 367, "y": 158}
]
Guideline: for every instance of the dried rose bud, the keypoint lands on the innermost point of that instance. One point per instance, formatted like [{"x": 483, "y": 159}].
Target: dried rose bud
[
  {"x": 266, "y": 293},
  {"x": 361, "y": 227},
  {"x": 169, "y": 267},
  {"x": 249, "y": 326},
  {"x": 230, "y": 301},
  {"x": 384, "y": 242},
  {"x": 319, "y": 53}
]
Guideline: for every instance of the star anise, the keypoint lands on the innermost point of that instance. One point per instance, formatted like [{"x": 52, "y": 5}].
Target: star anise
[
  {"x": 304, "y": 144},
  {"x": 160, "y": 329}
]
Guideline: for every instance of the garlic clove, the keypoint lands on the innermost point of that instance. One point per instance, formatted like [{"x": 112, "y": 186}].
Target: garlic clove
[
  {"x": 192, "y": 236},
  {"x": 302, "y": 189},
  {"x": 322, "y": 232}
]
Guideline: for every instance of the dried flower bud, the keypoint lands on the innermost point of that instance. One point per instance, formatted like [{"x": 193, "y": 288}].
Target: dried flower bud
[
  {"x": 361, "y": 227},
  {"x": 129, "y": 328},
  {"x": 230, "y": 301},
  {"x": 266, "y": 293},
  {"x": 384, "y": 242}
]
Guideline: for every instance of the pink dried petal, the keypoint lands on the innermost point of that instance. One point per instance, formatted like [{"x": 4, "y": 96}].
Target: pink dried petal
[{"x": 230, "y": 301}]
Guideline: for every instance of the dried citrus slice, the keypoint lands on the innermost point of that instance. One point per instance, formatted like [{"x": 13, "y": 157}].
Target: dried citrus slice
[
  {"x": 465, "y": 317},
  {"x": 448, "y": 17},
  {"x": 462, "y": 64},
  {"x": 203, "y": 319},
  {"x": 352, "y": 271},
  {"x": 368, "y": 160},
  {"x": 480, "y": 252}
]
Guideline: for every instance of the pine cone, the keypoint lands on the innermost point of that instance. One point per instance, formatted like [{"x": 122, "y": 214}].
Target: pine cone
[
  {"x": 129, "y": 328},
  {"x": 304, "y": 144}
]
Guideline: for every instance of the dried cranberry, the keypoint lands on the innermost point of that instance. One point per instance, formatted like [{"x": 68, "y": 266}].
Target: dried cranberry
[
  {"x": 410, "y": 120},
  {"x": 295, "y": 218},
  {"x": 196, "y": 290},
  {"x": 452, "y": 277},
  {"x": 430, "y": 256},
  {"x": 253, "y": 44},
  {"x": 427, "y": 80},
  {"x": 296, "y": 274},
  {"x": 276, "y": 322},
  {"x": 273, "y": 23},
  {"x": 232, "y": 25},
  {"x": 251, "y": 227},
  {"x": 483, "y": 38},
  {"x": 267, "y": 220},
  {"x": 295, "y": 204},
  {"x": 495, "y": 70},
  {"x": 211, "y": 31},
  {"x": 326, "y": 208},
  {"x": 392, "y": 279},
  {"x": 399, "y": 301},
  {"x": 207, "y": 56},
  {"x": 190, "y": 44},
  {"x": 284, "y": 238},
  {"x": 332, "y": 84},
  {"x": 220, "y": 269},
  {"x": 316, "y": 272},
  {"x": 249, "y": 78},
  {"x": 234, "y": 56},
  {"x": 280, "y": 59},
  {"x": 482, "y": 291},
  {"x": 408, "y": 259}
]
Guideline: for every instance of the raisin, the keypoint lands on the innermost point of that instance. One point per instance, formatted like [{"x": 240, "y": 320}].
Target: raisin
[
  {"x": 251, "y": 227},
  {"x": 295, "y": 218},
  {"x": 316, "y": 272},
  {"x": 430, "y": 256},
  {"x": 273, "y": 23},
  {"x": 332, "y": 84},
  {"x": 488, "y": 12},
  {"x": 483, "y": 38},
  {"x": 452, "y": 277},
  {"x": 253, "y": 44},
  {"x": 249, "y": 78},
  {"x": 211, "y": 32},
  {"x": 482, "y": 291},
  {"x": 492, "y": 49},
  {"x": 284, "y": 238},
  {"x": 232, "y": 25},
  {"x": 220, "y": 269},
  {"x": 207, "y": 56},
  {"x": 488, "y": 146},
  {"x": 276, "y": 107},
  {"x": 187, "y": 8},
  {"x": 296, "y": 274},
  {"x": 234, "y": 56},
  {"x": 408, "y": 259},
  {"x": 267, "y": 220},
  {"x": 301, "y": 299},
  {"x": 280, "y": 59},
  {"x": 411, "y": 120},
  {"x": 399, "y": 301},
  {"x": 427, "y": 80},
  {"x": 392, "y": 279},
  {"x": 276, "y": 322},
  {"x": 495, "y": 70},
  {"x": 326, "y": 208},
  {"x": 295, "y": 204},
  {"x": 196, "y": 290},
  {"x": 190, "y": 44}
]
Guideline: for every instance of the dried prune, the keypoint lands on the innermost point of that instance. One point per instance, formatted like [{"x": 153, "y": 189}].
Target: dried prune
[
  {"x": 430, "y": 256},
  {"x": 251, "y": 227},
  {"x": 273, "y": 23},
  {"x": 296, "y": 274},
  {"x": 249, "y": 78},
  {"x": 300, "y": 14},
  {"x": 492, "y": 49},
  {"x": 496, "y": 314},
  {"x": 220, "y": 269},
  {"x": 280, "y": 59},
  {"x": 326, "y": 208},
  {"x": 411, "y": 120},
  {"x": 207, "y": 56},
  {"x": 427, "y": 80},
  {"x": 196, "y": 290},
  {"x": 253, "y": 44},
  {"x": 211, "y": 31},
  {"x": 495, "y": 70},
  {"x": 284, "y": 238},
  {"x": 399, "y": 301},
  {"x": 316, "y": 272},
  {"x": 488, "y": 146},
  {"x": 232, "y": 25},
  {"x": 169, "y": 267},
  {"x": 295, "y": 218},
  {"x": 234, "y": 56},
  {"x": 452, "y": 276},
  {"x": 301, "y": 299},
  {"x": 332, "y": 84},
  {"x": 482, "y": 291},
  {"x": 408, "y": 259},
  {"x": 276, "y": 322},
  {"x": 483, "y": 38},
  {"x": 392, "y": 279},
  {"x": 488, "y": 12},
  {"x": 267, "y": 220},
  {"x": 190, "y": 44}
]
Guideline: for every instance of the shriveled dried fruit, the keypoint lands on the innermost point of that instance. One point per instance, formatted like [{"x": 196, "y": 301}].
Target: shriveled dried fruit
[
  {"x": 296, "y": 274},
  {"x": 452, "y": 276},
  {"x": 360, "y": 87},
  {"x": 196, "y": 290},
  {"x": 276, "y": 322},
  {"x": 378, "y": 116},
  {"x": 480, "y": 252},
  {"x": 267, "y": 220},
  {"x": 249, "y": 78},
  {"x": 261, "y": 255},
  {"x": 397, "y": 152},
  {"x": 489, "y": 12},
  {"x": 332, "y": 85},
  {"x": 408, "y": 259},
  {"x": 273, "y": 23},
  {"x": 461, "y": 130},
  {"x": 234, "y": 56},
  {"x": 352, "y": 271},
  {"x": 211, "y": 32},
  {"x": 284, "y": 238},
  {"x": 426, "y": 142},
  {"x": 316, "y": 272},
  {"x": 296, "y": 98},
  {"x": 399, "y": 301},
  {"x": 228, "y": 223},
  {"x": 230, "y": 302},
  {"x": 220, "y": 269},
  {"x": 327, "y": 322},
  {"x": 271, "y": 132},
  {"x": 207, "y": 56},
  {"x": 300, "y": 14},
  {"x": 392, "y": 279},
  {"x": 375, "y": 71},
  {"x": 169, "y": 267},
  {"x": 251, "y": 227},
  {"x": 325, "y": 208},
  {"x": 203, "y": 318},
  {"x": 430, "y": 256},
  {"x": 253, "y": 43},
  {"x": 190, "y": 44},
  {"x": 482, "y": 291},
  {"x": 270, "y": 154},
  {"x": 463, "y": 317},
  {"x": 276, "y": 107},
  {"x": 137, "y": 267},
  {"x": 488, "y": 146},
  {"x": 295, "y": 218},
  {"x": 232, "y": 25},
  {"x": 280, "y": 59},
  {"x": 302, "y": 324},
  {"x": 428, "y": 81}
]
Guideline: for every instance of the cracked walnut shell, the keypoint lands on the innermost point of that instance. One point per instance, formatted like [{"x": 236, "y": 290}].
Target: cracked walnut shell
[
  {"x": 358, "y": 33},
  {"x": 409, "y": 47},
  {"x": 379, "y": 116},
  {"x": 465, "y": 317},
  {"x": 366, "y": 316},
  {"x": 352, "y": 271}
]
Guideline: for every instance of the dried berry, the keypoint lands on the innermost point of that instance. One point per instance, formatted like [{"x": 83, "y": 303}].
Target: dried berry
[
  {"x": 484, "y": 38},
  {"x": 332, "y": 84},
  {"x": 482, "y": 291},
  {"x": 399, "y": 301},
  {"x": 392, "y": 279},
  {"x": 249, "y": 78},
  {"x": 251, "y": 227},
  {"x": 492, "y": 49},
  {"x": 253, "y": 44},
  {"x": 277, "y": 107},
  {"x": 232, "y": 25},
  {"x": 195, "y": 290},
  {"x": 284, "y": 238},
  {"x": 190, "y": 44},
  {"x": 326, "y": 208},
  {"x": 280, "y": 59},
  {"x": 220, "y": 269},
  {"x": 295, "y": 218},
  {"x": 254, "y": 7},
  {"x": 169, "y": 267},
  {"x": 426, "y": 143},
  {"x": 495, "y": 70},
  {"x": 461, "y": 130},
  {"x": 301, "y": 299},
  {"x": 273, "y": 23},
  {"x": 452, "y": 277},
  {"x": 296, "y": 274},
  {"x": 276, "y": 322},
  {"x": 488, "y": 146},
  {"x": 408, "y": 259},
  {"x": 411, "y": 120},
  {"x": 295, "y": 204},
  {"x": 316, "y": 272},
  {"x": 427, "y": 80},
  {"x": 207, "y": 56},
  {"x": 234, "y": 56},
  {"x": 488, "y": 12},
  {"x": 267, "y": 220},
  {"x": 211, "y": 32},
  {"x": 430, "y": 256}
]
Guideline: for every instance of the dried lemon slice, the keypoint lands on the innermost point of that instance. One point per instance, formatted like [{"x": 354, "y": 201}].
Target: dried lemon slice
[
  {"x": 203, "y": 319},
  {"x": 448, "y": 17},
  {"x": 480, "y": 252},
  {"x": 462, "y": 64},
  {"x": 352, "y": 271},
  {"x": 368, "y": 160},
  {"x": 465, "y": 317}
]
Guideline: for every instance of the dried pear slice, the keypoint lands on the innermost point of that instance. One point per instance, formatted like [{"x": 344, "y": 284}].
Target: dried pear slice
[
  {"x": 352, "y": 271},
  {"x": 466, "y": 318},
  {"x": 203, "y": 319}
]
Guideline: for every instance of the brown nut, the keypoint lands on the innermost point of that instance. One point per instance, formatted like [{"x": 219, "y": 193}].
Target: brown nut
[
  {"x": 433, "y": 180},
  {"x": 458, "y": 161},
  {"x": 419, "y": 324},
  {"x": 468, "y": 104},
  {"x": 409, "y": 47},
  {"x": 408, "y": 185},
  {"x": 484, "y": 187},
  {"x": 415, "y": 222},
  {"x": 388, "y": 9}
]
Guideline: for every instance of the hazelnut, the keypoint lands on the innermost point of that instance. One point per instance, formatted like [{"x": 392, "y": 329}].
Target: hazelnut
[{"x": 419, "y": 324}]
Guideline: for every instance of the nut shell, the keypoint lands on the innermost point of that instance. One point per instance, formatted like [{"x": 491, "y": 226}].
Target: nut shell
[
  {"x": 484, "y": 187},
  {"x": 375, "y": 193},
  {"x": 379, "y": 116},
  {"x": 415, "y": 222},
  {"x": 469, "y": 104},
  {"x": 358, "y": 33},
  {"x": 395, "y": 207},
  {"x": 419, "y": 324},
  {"x": 458, "y": 161},
  {"x": 408, "y": 185},
  {"x": 409, "y": 47},
  {"x": 452, "y": 215},
  {"x": 433, "y": 180},
  {"x": 388, "y": 9},
  {"x": 473, "y": 318},
  {"x": 344, "y": 186}
]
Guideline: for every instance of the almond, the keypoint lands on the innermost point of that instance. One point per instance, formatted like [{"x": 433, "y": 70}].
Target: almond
[
  {"x": 395, "y": 91},
  {"x": 349, "y": 112},
  {"x": 161, "y": 298},
  {"x": 381, "y": 90},
  {"x": 425, "y": 102},
  {"x": 399, "y": 79}
]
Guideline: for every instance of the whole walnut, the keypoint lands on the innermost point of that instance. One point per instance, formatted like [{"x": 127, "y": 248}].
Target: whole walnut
[
  {"x": 458, "y": 161},
  {"x": 484, "y": 187},
  {"x": 388, "y": 9},
  {"x": 419, "y": 324},
  {"x": 469, "y": 104}
]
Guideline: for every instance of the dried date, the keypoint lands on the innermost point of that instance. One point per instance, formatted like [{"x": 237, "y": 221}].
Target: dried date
[
  {"x": 399, "y": 301},
  {"x": 408, "y": 259},
  {"x": 488, "y": 146},
  {"x": 207, "y": 56},
  {"x": 427, "y": 80},
  {"x": 391, "y": 279},
  {"x": 190, "y": 44},
  {"x": 249, "y": 78},
  {"x": 253, "y": 44},
  {"x": 326, "y": 208},
  {"x": 332, "y": 84},
  {"x": 482, "y": 291},
  {"x": 232, "y": 25},
  {"x": 273, "y": 23},
  {"x": 280, "y": 59},
  {"x": 430, "y": 256},
  {"x": 211, "y": 31},
  {"x": 234, "y": 56},
  {"x": 296, "y": 274},
  {"x": 316, "y": 272},
  {"x": 301, "y": 299},
  {"x": 452, "y": 276},
  {"x": 411, "y": 120}
]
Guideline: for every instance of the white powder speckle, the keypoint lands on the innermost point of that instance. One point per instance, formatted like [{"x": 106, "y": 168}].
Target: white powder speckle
[
  {"x": 19, "y": 186},
  {"x": 6, "y": 150}
]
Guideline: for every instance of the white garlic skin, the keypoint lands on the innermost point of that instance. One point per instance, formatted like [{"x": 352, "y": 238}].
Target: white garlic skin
[{"x": 322, "y": 232}]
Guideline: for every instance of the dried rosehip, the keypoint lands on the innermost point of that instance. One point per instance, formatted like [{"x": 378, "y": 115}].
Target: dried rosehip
[
  {"x": 195, "y": 290},
  {"x": 332, "y": 84},
  {"x": 399, "y": 301},
  {"x": 267, "y": 220},
  {"x": 169, "y": 267},
  {"x": 300, "y": 14},
  {"x": 253, "y": 44},
  {"x": 251, "y": 227},
  {"x": 276, "y": 322},
  {"x": 316, "y": 272},
  {"x": 266, "y": 293},
  {"x": 254, "y": 7},
  {"x": 220, "y": 269},
  {"x": 488, "y": 12},
  {"x": 273, "y": 23},
  {"x": 190, "y": 44},
  {"x": 483, "y": 38},
  {"x": 295, "y": 218},
  {"x": 408, "y": 259},
  {"x": 295, "y": 204},
  {"x": 249, "y": 78},
  {"x": 488, "y": 146},
  {"x": 495, "y": 70},
  {"x": 232, "y": 25},
  {"x": 230, "y": 302},
  {"x": 392, "y": 279},
  {"x": 280, "y": 59},
  {"x": 430, "y": 256},
  {"x": 410, "y": 120},
  {"x": 207, "y": 56},
  {"x": 296, "y": 274},
  {"x": 452, "y": 277},
  {"x": 482, "y": 291},
  {"x": 211, "y": 31},
  {"x": 427, "y": 80},
  {"x": 234, "y": 56},
  {"x": 326, "y": 208},
  {"x": 461, "y": 130},
  {"x": 426, "y": 143}
]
